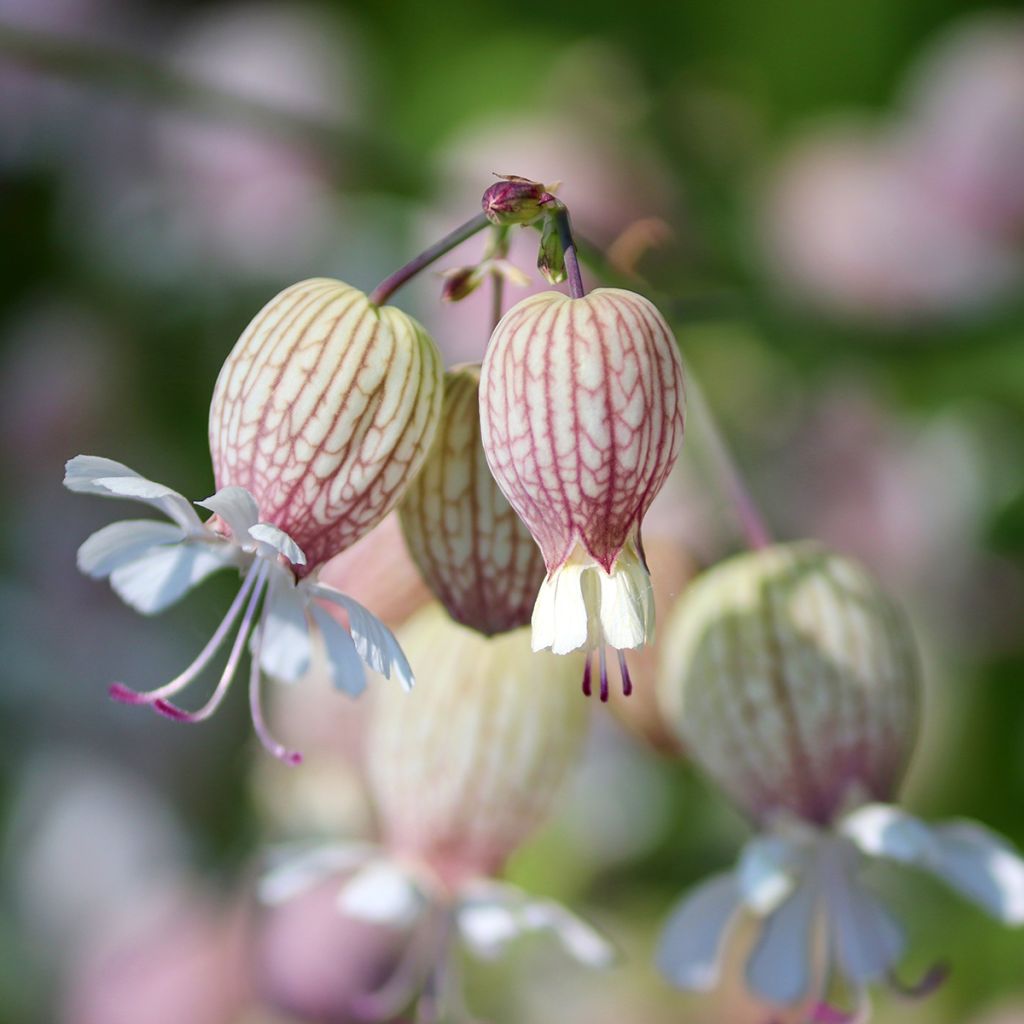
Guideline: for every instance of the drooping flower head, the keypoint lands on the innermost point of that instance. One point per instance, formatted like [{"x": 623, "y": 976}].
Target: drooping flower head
[
  {"x": 472, "y": 549},
  {"x": 793, "y": 681},
  {"x": 581, "y": 405},
  {"x": 462, "y": 772},
  {"x": 322, "y": 413}
]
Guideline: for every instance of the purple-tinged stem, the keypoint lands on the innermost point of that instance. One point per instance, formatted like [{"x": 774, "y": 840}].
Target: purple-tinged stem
[
  {"x": 126, "y": 695},
  {"x": 748, "y": 515},
  {"x": 932, "y": 979},
  {"x": 169, "y": 710},
  {"x": 391, "y": 284},
  {"x": 572, "y": 263}
]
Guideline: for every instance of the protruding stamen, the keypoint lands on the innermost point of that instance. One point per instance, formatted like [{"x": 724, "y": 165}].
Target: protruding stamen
[
  {"x": 627, "y": 682},
  {"x": 586, "y": 677},
  {"x": 169, "y": 710},
  {"x": 279, "y": 750},
  {"x": 932, "y": 979},
  {"x": 126, "y": 695},
  {"x": 604, "y": 677}
]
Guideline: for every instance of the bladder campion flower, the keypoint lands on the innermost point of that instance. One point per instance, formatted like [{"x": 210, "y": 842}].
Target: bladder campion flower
[
  {"x": 473, "y": 550},
  {"x": 793, "y": 681},
  {"x": 581, "y": 404},
  {"x": 461, "y": 775},
  {"x": 322, "y": 413}
]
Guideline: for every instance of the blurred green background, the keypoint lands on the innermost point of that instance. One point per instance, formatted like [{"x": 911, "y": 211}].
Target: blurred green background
[{"x": 825, "y": 198}]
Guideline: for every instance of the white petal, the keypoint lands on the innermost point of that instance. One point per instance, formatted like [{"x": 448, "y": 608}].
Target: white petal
[
  {"x": 158, "y": 578},
  {"x": 278, "y": 542},
  {"x": 882, "y": 830},
  {"x": 90, "y": 474},
  {"x": 285, "y": 653},
  {"x": 779, "y": 968},
  {"x": 300, "y": 869},
  {"x": 375, "y": 643},
  {"x": 237, "y": 507},
  {"x": 123, "y": 542},
  {"x": 868, "y": 942},
  {"x": 982, "y": 866},
  {"x": 382, "y": 893},
  {"x": 343, "y": 664},
  {"x": 560, "y": 616},
  {"x": 692, "y": 944},
  {"x": 487, "y": 928},
  {"x": 581, "y": 940},
  {"x": 767, "y": 872},
  {"x": 627, "y": 605}
]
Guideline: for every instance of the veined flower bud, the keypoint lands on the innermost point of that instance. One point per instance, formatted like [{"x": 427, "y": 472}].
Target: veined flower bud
[
  {"x": 515, "y": 200},
  {"x": 793, "y": 680},
  {"x": 465, "y": 767},
  {"x": 324, "y": 411},
  {"x": 473, "y": 550},
  {"x": 581, "y": 405}
]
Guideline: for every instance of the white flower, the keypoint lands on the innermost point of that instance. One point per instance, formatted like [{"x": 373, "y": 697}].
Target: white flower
[
  {"x": 818, "y": 915},
  {"x": 151, "y": 564},
  {"x": 484, "y": 915}
]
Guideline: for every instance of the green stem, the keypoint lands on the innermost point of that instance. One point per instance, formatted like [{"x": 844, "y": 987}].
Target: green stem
[{"x": 393, "y": 282}]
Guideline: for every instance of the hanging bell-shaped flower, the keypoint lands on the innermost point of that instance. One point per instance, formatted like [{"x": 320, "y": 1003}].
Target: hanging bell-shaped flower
[
  {"x": 473, "y": 550},
  {"x": 581, "y": 404}
]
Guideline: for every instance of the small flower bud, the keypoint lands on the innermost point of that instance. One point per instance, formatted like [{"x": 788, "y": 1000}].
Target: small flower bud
[
  {"x": 473, "y": 550},
  {"x": 324, "y": 411},
  {"x": 460, "y": 282},
  {"x": 466, "y": 766},
  {"x": 551, "y": 257},
  {"x": 515, "y": 200},
  {"x": 793, "y": 680}
]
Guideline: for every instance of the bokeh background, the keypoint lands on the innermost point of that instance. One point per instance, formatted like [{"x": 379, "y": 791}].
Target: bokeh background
[{"x": 826, "y": 197}]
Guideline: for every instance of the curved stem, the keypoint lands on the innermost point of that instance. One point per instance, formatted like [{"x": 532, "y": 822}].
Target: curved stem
[
  {"x": 572, "y": 263},
  {"x": 391, "y": 284}
]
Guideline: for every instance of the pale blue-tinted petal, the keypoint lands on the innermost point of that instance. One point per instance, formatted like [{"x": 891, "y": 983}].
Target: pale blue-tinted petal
[
  {"x": 779, "y": 968},
  {"x": 767, "y": 871},
  {"x": 285, "y": 652},
  {"x": 866, "y": 939},
  {"x": 119, "y": 543},
  {"x": 273, "y": 541},
  {"x": 158, "y": 578},
  {"x": 487, "y": 928},
  {"x": 298, "y": 869},
  {"x": 237, "y": 507},
  {"x": 882, "y": 830},
  {"x": 343, "y": 663},
  {"x": 983, "y": 866},
  {"x": 375, "y": 643},
  {"x": 692, "y": 943},
  {"x": 90, "y": 474},
  {"x": 382, "y": 892}
]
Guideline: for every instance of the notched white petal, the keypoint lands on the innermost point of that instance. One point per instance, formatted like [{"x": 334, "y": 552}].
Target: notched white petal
[
  {"x": 90, "y": 474},
  {"x": 627, "y": 604},
  {"x": 693, "y": 942},
  {"x": 298, "y": 869},
  {"x": 343, "y": 663},
  {"x": 157, "y": 579},
  {"x": 382, "y": 893},
  {"x": 120, "y": 543},
  {"x": 237, "y": 507},
  {"x": 560, "y": 615},
  {"x": 882, "y": 830},
  {"x": 779, "y": 968},
  {"x": 767, "y": 872},
  {"x": 375, "y": 643},
  {"x": 285, "y": 653},
  {"x": 278, "y": 541}
]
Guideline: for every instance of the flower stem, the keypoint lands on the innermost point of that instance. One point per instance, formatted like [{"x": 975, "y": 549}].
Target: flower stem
[
  {"x": 572, "y": 263},
  {"x": 391, "y": 284},
  {"x": 750, "y": 520}
]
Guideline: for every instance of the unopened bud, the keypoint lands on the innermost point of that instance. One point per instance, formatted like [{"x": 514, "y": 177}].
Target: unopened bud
[
  {"x": 793, "y": 680},
  {"x": 551, "y": 257},
  {"x": 466, "y": 766},
  {"x": 460, "y": 282},
  {"x": 515, "y": 200},
  {"x": 474, "y": 552}
]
